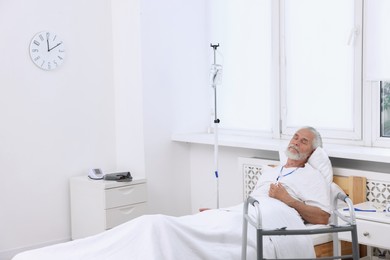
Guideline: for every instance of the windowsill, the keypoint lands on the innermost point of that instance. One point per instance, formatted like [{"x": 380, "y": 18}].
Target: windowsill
[{"x": 364, "y": 153}]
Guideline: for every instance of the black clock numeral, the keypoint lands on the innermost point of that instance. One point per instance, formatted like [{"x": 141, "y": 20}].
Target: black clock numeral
[
  {"x": 41, "y": 37},
  {"x": 55, "y": 62},
  {"x": 59, "y": 57},
  {"x": 43, "y": 62},
  {"x": 47, "y": 35},
  {"x": 49, "y": 65},
  {"x": 34, "y": 50},
  {"x": 37, "y": 43},
  {"x": 37, "y": 58}
]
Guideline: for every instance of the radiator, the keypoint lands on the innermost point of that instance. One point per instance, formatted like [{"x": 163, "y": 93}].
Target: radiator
[{"x": 250, "y": 169}]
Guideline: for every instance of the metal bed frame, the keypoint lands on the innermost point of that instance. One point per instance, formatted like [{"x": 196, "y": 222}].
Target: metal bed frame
[{"x": 333, "y": 228}]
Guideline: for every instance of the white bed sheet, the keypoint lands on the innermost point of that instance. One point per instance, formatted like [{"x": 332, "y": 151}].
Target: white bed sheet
[
  {"x": 212, "y": 234},
  {"x": 320, "y": 238}
]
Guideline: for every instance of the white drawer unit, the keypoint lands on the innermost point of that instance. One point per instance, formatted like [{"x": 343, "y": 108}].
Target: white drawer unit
[
  {"x": 371, "y": 234},
  {"x": 98, "y": 205},
  {"x": 373, "y": 228}
]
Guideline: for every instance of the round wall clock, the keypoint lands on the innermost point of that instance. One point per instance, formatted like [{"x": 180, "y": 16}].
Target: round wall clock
[{"x": 47, "y": 50}]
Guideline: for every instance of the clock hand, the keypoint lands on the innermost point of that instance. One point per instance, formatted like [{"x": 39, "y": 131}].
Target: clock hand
[
  {"x": 55, "y": 46},
  {"x": 47, "y": 40}
]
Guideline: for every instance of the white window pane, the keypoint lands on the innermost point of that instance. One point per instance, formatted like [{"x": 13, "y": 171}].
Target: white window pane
[
  {"x": 319, "y": 63},
  {"x": 243, "y": 30},
  {"x": 377, "y": 40}
]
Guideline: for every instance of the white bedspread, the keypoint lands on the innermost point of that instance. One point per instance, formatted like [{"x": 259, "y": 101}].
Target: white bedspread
[{"x": 212, "y": 234}]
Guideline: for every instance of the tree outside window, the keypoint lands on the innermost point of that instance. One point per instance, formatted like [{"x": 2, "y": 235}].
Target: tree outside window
[{"x": 385, "y": 108}]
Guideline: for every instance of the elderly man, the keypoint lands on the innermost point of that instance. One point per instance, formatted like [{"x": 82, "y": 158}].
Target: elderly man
[{"x": 296, "y": 183}]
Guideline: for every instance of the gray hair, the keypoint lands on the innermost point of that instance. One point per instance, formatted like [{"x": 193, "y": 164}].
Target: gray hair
[{"x": 317, "y": 141}]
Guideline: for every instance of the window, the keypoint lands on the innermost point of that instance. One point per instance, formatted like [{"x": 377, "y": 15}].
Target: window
[
  {"x": 385, "y": 109},
  {"x": 321, "y": 80},
  {"x": 242, "y": 28},
  {"x": 319, "y": 65},
  {"x": 303, "y": 62},
  {"x": 377, "y": 40},
  {"x": 377, "y": 71}
]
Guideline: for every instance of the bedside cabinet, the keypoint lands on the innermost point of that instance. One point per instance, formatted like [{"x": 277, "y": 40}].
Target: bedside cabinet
[
  {"x": 98, "y": 205},
  {"x": 373, "y": 228}
]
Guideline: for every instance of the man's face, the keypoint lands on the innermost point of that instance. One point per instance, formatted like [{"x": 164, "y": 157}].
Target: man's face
[{"x": 300, "y": 146}]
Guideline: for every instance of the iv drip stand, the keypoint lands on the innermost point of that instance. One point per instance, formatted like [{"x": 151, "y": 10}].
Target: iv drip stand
[{"x": 216, "y": 122}]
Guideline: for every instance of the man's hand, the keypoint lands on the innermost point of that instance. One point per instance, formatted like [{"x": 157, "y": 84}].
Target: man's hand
[
  {"x": 311, "y": 214},
  {"x": 277, "y": 191}
]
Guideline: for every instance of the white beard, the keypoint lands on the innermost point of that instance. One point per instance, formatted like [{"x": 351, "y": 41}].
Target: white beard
[{"x": 295, "y": 156}]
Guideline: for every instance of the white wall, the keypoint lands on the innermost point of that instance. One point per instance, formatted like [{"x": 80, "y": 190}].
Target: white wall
[
  {"x": 175, "y": 80},
  {"x": 54, "y": 124},
  {"x": 128, "y": 86},
  {"x": 203, "y": 181},
  {"x": 102, "y": 108}
]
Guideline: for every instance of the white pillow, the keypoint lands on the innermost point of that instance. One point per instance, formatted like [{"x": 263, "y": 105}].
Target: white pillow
[{"x": 319, "y": 160}]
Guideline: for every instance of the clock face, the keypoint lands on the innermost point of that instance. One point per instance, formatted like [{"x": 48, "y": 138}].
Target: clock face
[{"x": 47, "y": 50}]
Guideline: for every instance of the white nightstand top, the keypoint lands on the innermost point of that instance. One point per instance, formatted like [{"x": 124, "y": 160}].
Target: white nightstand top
[{"x": 378, "y": 216}]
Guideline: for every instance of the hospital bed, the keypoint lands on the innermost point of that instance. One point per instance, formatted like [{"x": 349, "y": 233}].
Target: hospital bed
[
  {"x": 216, "y": 233},
  {"x": 345, "y": 191}
]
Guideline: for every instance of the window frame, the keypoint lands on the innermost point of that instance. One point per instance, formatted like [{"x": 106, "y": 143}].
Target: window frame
[
  {"x": 332, "y": 136},
  {"x": 371, "y": 98}
]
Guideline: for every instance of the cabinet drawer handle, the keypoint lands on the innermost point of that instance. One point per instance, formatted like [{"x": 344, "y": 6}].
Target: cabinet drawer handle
[
  {"x": 366, "y": 234},
  {"x": 126, "y": 190},
  {"x": 127, "y": 210}
]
